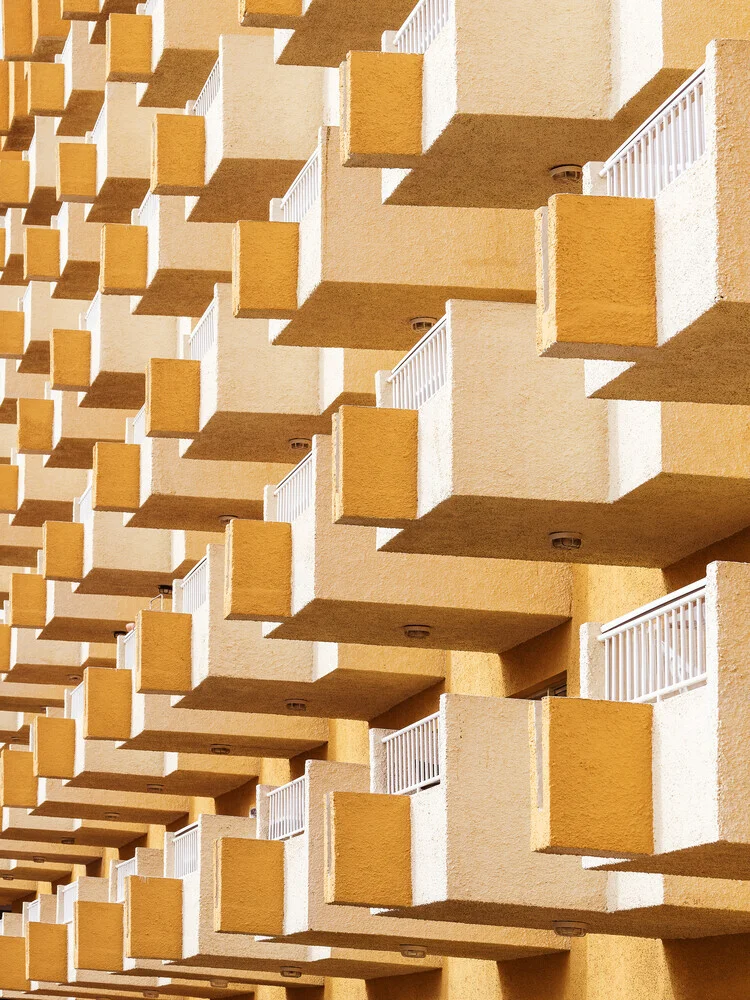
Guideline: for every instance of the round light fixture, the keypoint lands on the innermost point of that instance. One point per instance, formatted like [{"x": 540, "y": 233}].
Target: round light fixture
[
  {"x": 417, "y": 631},
  {"x": 568, "y": 541},
  {"x": 570, "y": 928}
]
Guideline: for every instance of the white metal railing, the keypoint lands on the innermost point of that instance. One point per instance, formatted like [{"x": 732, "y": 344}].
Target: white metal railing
[
  {"x": 412, "y": 756},
  {"x": 210, "y": 91},
  {"x": 34, "y": 912},
  {"x": 148, "y": 209},
  {"x": 658, "y": 650},
  {"x": 286, "y": 810},
  {"x": 304, "y": 191},
  {"x": 68, "y": 899},
  {"x": 138, "y": 427},
  {"x": 94, "y": 313},
  {"x": 295, "y": 491},
  {"x": 194, "y": 588},
  {"x": 423, "y": 371},
  {"x": 122, "y": 871},
  {"x": 203, "y": 336},
  {"x": 96, "y": 131},
  {"x": 669, "y": 142},
  {"x": 128, "y": 649},
  {"x": 84, "y": 509},
  {"x": 76, "y": 703},
  {"x": 422, "y": 26},
  {"x": 185, "y": 844}
]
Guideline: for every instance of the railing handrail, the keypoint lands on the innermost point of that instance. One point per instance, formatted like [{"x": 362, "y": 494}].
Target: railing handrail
[
  {"x": 122, "y": 870},
  {"x": 203, "y": 336},
  {"x": 77, "y": 701},
  {"x": 647, "y": 611},
  {"x": 128, "y": 648},
  {"x": 289, "y": 505},
  {"x": 194, "y": 586},
  {"x": 418, "y": 347},
  {"x": 68, "y": 897},
  {"x": 422, "y": 26},
  {"x": 407, "y": 729},
  {"x": 138, "y": 427},
  {"x": 424, "y": 370},
  {"x": 209, "y": 91},
  {"x": 185, "y": 850},
  {"x": 658, "y": 650},
  {"x": 669, "y": 103},
  {"x": 286, "y": 809},
  {"x": 304, "y": 190},
  {"x": 413, "y": 756}
]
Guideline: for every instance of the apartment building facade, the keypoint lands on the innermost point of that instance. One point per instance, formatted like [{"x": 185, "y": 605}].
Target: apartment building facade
[{"x": 374, "y": 500}]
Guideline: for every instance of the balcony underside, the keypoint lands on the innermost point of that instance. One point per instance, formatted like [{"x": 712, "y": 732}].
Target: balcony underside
[
  {"x": 659, "y": 523},
  {"x": 242, "y": 189},
  {"x": 192, "y": 513},
  {"x": 378, "y": 624},
  {"x": 178, "y": 77},
  {"x": 254, "y": 437},
  {"x": 372, "y": 316},
  {"x": 123, "y": 582},
  {"x": 174, "y": 292},
  {"x": 113, "y": 390},
  {"x": 342, "y": 694},
  {"x": 720, "y": 860},
  {"x": 79, "y": 280},
  {"x": 116, "y": 199}
]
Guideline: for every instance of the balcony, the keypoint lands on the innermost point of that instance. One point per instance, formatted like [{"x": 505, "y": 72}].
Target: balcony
[
  {"x": 439, "y": 766},
  {"x": 429, "y": 602},
  {"x": 19, "y": 546},
  {"x": 41, "y": 314},
  {"x": 229, "y": 412},
  {"x": 73, "y": 617},
  {"x": 153, "y": 653},
  {"x": 75, "y": 431},
  {"x": 448, "y": 482},
  {"x": 36, "y": 661},
  {"x": 183, "y": 48},
  {"x": 159, "y": 489},
  {"x": 233, "y": 158},
  {"x": 42, "y": 160},
  {"x": 59, "y": 798},
  {"x": 74, "y": 754},
  {"x": 11, "y": 256},
  {"x": 315, "y": 274},
  {"x": 120, "y": 146},
  {"x": 309, "y": 34},
  {"x": 105, "y": 361},
  {"x": 105, "y": 557},
  {"x": 296, "y": 907},
  {"x": 231, "y": 662},
  {"x": 80, "y": 247},
  {"x": 673, "y": 663},
  {"x": 459, "y": 109},
  {"x": 675, "y": 339},
  {"x": 190, "y": 948},
  {"x": 84, "y": 75},
  {"x": 90, "y": 836},
  {"x": 43, "y": 494}
]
